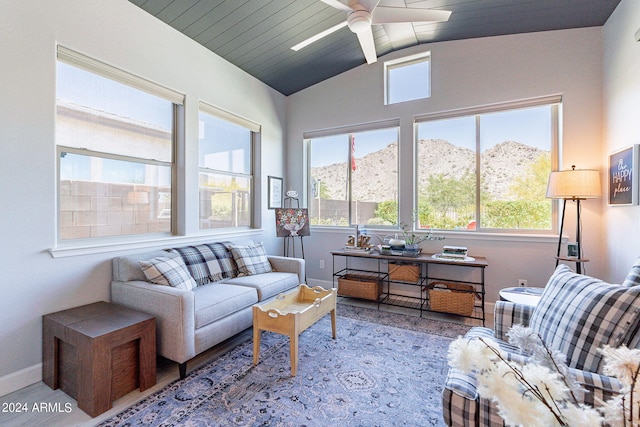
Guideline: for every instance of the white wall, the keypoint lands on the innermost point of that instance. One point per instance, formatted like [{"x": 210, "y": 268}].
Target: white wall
[
  {"x": 33, "y": 282},
  {"x": 471, "y": 73},
  {"x": 621, "y": 129}
]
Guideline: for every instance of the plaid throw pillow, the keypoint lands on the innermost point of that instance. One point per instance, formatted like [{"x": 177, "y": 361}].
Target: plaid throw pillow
[
  {"x": 251, "y": 259},
  {"x": 578, "y": 314},
  {"x": 209, "y": 262},
  {"x": 168, "y": 270}
]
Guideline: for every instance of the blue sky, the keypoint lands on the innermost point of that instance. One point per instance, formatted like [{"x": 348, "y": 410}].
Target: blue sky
[
  {"x": 335, "y": 149},
  {"x": 530, "y": 126}
]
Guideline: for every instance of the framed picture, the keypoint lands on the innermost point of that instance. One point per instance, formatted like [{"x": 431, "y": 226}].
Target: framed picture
[
  {"x": 623, "y": 185},
  {"x": 275, "y": 192},
  {"x": 292, "y": 222}
]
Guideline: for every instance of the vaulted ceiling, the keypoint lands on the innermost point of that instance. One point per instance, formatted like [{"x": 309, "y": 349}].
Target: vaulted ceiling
[{"x": 257, "y": 35}]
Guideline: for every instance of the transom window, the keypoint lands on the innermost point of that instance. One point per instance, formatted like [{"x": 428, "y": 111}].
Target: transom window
[
  {"x": 353, "y": 176},
  {"x": 115, "y": 137},
  {"x": 226, "y": 168},
  {"x": 488, "y": 169},
  {"x": 407, "y": 79}
]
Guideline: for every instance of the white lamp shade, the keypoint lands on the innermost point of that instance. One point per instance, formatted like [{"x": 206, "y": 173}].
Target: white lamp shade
[{"x": 574, "y": 184}]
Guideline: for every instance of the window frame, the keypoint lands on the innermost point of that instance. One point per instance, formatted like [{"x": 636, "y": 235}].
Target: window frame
[
  {"x": 553, "y": 101},
  {"x": 177, "y": 99},
  {"x": 255, "y": 130},
  {"x": 405, "y": 62},
  {"x": 348, "y": 131}
]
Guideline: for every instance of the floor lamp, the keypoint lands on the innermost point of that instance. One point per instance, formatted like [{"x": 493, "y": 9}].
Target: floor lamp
[{"x": 576, "y": 185}]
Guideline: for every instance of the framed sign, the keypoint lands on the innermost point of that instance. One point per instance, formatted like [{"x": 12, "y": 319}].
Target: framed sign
[
  {"x": 623, "y": 185},
  {"x": 275, "y": 192},
  {"x": 292, "y": 222}
]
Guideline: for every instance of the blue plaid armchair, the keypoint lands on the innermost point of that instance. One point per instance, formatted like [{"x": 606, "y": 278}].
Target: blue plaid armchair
[{"x": 576, "y": 315}]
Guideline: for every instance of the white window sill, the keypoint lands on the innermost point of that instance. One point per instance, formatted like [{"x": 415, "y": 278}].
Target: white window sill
[{"x": 113, "y": 245}]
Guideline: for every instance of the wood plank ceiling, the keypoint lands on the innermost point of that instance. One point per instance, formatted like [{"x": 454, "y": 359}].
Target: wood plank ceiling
[{"x": 257, "y": 35}]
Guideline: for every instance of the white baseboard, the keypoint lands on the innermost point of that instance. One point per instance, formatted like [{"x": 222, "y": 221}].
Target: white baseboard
[{"x": 21, "y": 379}]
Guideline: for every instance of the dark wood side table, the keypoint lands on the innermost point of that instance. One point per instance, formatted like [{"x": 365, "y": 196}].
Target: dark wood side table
[{"x": 97, "y": 353}]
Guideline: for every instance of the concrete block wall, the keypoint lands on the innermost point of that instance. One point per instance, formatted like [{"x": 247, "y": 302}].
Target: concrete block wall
[{"x": 95, "y": 209}]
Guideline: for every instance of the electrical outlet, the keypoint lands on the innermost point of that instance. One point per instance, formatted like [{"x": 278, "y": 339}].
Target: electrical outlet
[
  {"x": 522, "y": 282},
  {"x": 321, "y": 263}
]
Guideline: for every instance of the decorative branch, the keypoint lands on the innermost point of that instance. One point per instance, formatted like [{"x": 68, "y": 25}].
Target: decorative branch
[{"x": 548, "y": 392}]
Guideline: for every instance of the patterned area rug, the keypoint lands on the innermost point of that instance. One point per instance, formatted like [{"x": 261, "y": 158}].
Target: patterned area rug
[{"x": 383, "y": 369}]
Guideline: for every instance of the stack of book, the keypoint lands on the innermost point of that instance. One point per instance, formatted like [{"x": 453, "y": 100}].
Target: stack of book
[{"x": 453, "y": 252}]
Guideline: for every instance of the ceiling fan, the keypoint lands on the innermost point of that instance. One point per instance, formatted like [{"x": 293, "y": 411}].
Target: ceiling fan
[{"x": 364, "y": 13}]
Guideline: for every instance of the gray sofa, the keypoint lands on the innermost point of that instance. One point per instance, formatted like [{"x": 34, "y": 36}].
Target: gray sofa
[{"x": 216, "y": 308}]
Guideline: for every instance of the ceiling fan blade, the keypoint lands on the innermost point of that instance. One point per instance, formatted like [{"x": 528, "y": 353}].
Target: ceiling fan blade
[
  {"x": 391, "y": 15},
  {"x": 319, "y": 36},
  {"x": 337, "y": 5},
  {"x": 400, "y": 35},
  {"x": 368, "y": 46},
  {"x": 369, "y": 4}
]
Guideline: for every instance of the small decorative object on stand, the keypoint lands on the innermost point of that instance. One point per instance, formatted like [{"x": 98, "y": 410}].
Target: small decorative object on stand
[
  {"x": 292, "y": 194},
  {"x": 292, "y": 222},
  {"x": 572, "y": 250},
  {"x": 359, "y": 242}
]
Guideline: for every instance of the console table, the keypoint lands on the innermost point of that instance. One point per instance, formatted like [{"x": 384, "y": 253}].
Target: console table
[{"x": 375, "y": 267}]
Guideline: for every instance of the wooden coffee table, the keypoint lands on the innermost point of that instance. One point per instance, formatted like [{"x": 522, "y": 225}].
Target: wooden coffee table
[
  {"x": 292, "y": 313},
  {"x": 97, "y": 353}
]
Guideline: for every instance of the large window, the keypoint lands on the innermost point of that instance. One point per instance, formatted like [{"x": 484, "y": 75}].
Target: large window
[
  {"x": 226, "y": 168},
  {"x": 487, "y": 169},
  {"x": 354, "y": 177},
  {"x": 115, "y": 136}
]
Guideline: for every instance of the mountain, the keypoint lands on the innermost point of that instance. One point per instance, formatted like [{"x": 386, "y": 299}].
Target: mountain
[{"x": 376, "y": 174}]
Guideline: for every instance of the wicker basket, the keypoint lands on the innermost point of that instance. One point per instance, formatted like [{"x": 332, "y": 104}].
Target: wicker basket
[
  {"x": 359, "y": 286},
  {"x": 449, "y": 297},
  {"x": 404, "y": 272}
]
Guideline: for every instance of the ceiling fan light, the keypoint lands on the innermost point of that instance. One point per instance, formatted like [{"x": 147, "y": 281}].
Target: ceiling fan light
[{"x": 359, "y": 21}]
